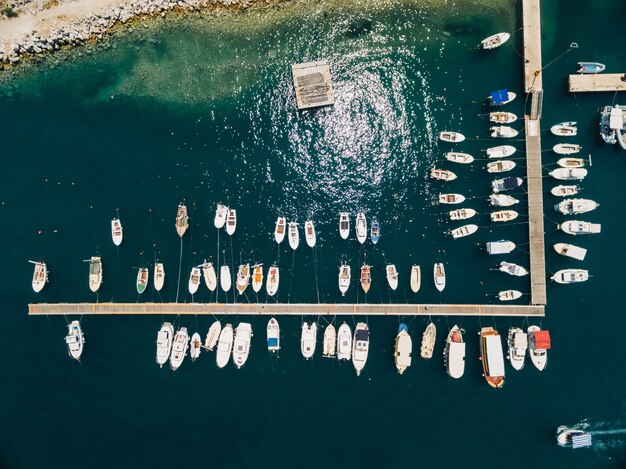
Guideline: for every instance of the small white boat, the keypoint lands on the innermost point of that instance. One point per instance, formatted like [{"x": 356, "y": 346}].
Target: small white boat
[
  {"x": 344, "y": 278},
  {"x": 330, "y": 342},
  {"x": 280, "y": 229},
  {"x": 308, "y": 339},
  {"x": 502, "y": 117},
  {"x": 575, "y": 227},
  {"x": 403, "y": 350},
  {"x": 503, "y": 215},
  {"x": 517, "y": 341},
  {"x": 463, "y": 231},
  {"x": 344, "y": 342},
  {"x": 221, "y": 212},
  {"x": 309, "y": 233},
  {"x": 451, "y": 198},
  {"x": 95, "y": 273},
  {"x": 273, "y": 277},
  {"x": 75, "y": 340},
  {"x": 428, "y": 340},
  {"x": 506, "y": 184},
  {"x": 195, "y": 347},
  {"x": 231, "y": 221},
  {"x": 569, "y": 250},
  {"x": 442, "y": 174},
  {"x": 570, "y": 276},
  {"x": 117, "y": 233},
  {"x": 509, "y": 295},
  {"x": 194, "y": 280},
  {"x": 457, "y": 157},
  {"x": 273, "y": 335},
  {"x": 500, "y": 247},
  {"x": 375, "y": 231},
  {"x": 501, "y": 151},
  {"x": 257, "y": 278},
  {"x": 224, "y": 346},
  {"x": 502, "y": 200},
  {"x": 361, "y": 227},
  {"x": 492, "y": 357},
  {"x": 225, "y": 279},
  {"x": 213, "y": 336},
  {"x": 566, "y": 148},
  {"x": 461, "y": 213},
  {"x": 452, "y": 137},
  {"x": 495, "y": 41},
  {"x": 439, "y": 274},
  {"x": 501, "y": 97},
  {"x": 574, "y": 438},
  {"x": 165, "y": 338},
  {"x": 179, "y": 348},
  {"x": 569, "y": 174},
  {"x": 576, "y": 206},
  {"x": 182, "y": 220},
  {"x": 142, "y": 280},
  {"x": 590, "y": 67},
  {"x": 392, "y": 276},
  {"x": 360, "y": 347},
  {"x": 500, "y": 166},
  {"x": 512, "y": 269},
  {"x": 571, "y": 162},
  {"x": 538, "y": 345},
  {"x": 563, "y": 191},
  {"x": 294, "y": 235},
  {"x": 344, "y": 225},
  {"x": 241, "y": 344},
  {"x": 209, "y": 275},
  {"x": 159, "y": 276},
  {"x": 454, "y": 353},
  {"x": 366, "y": 277},
  {"x": 503, "y": 131},
  {"x": 40, "y": 276},
  {"x": 416, "y": 278},
  {"x": 243, "y": 278},
  {"x": 564, "y": 129}
]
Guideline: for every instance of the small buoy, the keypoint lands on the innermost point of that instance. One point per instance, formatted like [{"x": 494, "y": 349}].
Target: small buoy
[{"x": 39, "y": 231}]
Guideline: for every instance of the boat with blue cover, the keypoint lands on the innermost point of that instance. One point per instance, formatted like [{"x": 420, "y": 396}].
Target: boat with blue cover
[
  {"x": 375, "y": 231},
  {"x": 590, "y": 67},
  {"x": 506, "y": 184},
  {"x": 501, "y": 97}
]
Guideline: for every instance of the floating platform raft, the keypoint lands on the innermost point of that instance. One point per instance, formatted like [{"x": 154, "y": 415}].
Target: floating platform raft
[
  {"x": 313, "y": 84},
  {"x": 597, "y": 82}
]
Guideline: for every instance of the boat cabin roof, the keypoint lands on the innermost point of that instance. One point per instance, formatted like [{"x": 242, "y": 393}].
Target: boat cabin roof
[
  {"x": 495, "y": 358},
  {"x": 500, "y": 96},
  {"x": 542, "y": 339}
]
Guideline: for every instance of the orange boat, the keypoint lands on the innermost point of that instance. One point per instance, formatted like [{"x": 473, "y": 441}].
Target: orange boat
[{"x": 492, "y": 357}]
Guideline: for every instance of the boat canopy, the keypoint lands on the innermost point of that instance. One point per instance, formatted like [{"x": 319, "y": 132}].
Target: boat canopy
[
  {"x": 494, "y": 356},
  {"x": 581, "y": 441},
  {"x": 272, "y": 342},
  {"x": 500, "y": 247},
  {"x": 362, "y": 334},
  {"x": 500, "y": 96},
  {"x": 521, "y": 340},
  {"x": 616, "y": 119},
  {"x": 542, "y": 340},
  {"x": 510, "y": 183}
]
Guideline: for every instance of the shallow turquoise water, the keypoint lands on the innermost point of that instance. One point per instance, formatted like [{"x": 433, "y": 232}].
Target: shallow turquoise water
[{"x": 197, "y": 111}]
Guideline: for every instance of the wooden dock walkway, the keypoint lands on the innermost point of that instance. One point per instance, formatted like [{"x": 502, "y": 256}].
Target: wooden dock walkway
[
  {"x": 281, "y": 309},
  {"x": 531, "y": 17},
  {"x": 595, "y": 83},
  {"x": 313, "y": 84}
]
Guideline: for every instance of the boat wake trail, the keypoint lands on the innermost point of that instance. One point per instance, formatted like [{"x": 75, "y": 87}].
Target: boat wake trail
[{"x": 605, "y": 434}]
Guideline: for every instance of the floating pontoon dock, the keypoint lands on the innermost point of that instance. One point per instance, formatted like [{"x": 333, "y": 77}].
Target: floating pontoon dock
[
  {"x": 598, "y": 82},
  {"x": 313, "y": 84}
]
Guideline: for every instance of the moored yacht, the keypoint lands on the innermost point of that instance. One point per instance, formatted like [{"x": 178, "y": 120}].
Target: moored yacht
[
  {"x": 495, "y": 41},
  {"x": 569, "y": 250},
  {"x": 221, "y": 212},
  {"x": 231, "y": 221},
  {"x": 225, "y": 279},
  {"x": 502, "y": 200},
  {"x": 501, "y": 151},
  {"x": 451, "y": 198},
  {"x": 506, "y": 184},
  {"x": 428, "y": 340},
  {"x": 366, "y": 277},
  {"x": 165, "y": 337},
  {"x": 117, "y": 232},
  {"x": 375, "y": 231},
  {"x": 213, "y": 336},
  {"x": 360, "y": 347},
  {"x": 330, "y": 341},
  {"x": 257, "y": 278},
  {"x": 241, "y": 344},
  {"x": 570, "y": 276},
  {"x": 503, "y": 131},
  {"x": 590, "y": 67},
  {"x": 142, "y": 280},
  {"x": 403, "y": 349},
  {"x": 273, "y": 335},
  {"x": 308, "y": 339},
  {"x": 209, "y": 275},
  {"x": 243, "y": 278},
  {"x": 563, "y": 191},
  {"x": 344, "y": 278},
  {"x": 416, "y": 278},
  {"x": 75, "y": 340},
  {"x": 224, "y": 346},
  {"x": 576, "y": 206},
  {"x": 452, "y": 137},
  {"x": 564, "y": 129},
  {"x": 458, "y": 157},
  {"x": 502, "y": 246},
  {"x": 195, "y": 347},
  {"x": 95, "y": 273},
  {"x": 538, "y": 346},
  {"x": 179, "y": 348},
  {"x": 509, "y": 295},
  {"x": 361, "y": 227},
  {"x": 463, "y": 231},
  {"x": 194, "y": 280},
  {"x": 273, "y": 277},
  {"x": 500, "y": 97},
  {"x": 280, "y": 229},
  {"x": 502, "y": 117},
  {"x": 503, "y": 215},
  {"x": 309, "y": 233},
  {"x": 344, "y": 342},
  {"x": 575, "y": 227},
  {"x": 442, "y": 174},
  {"x": 566, "y": 148},
  {"x": 517, "y": 341},
  {"x": 571, "y": 162},
  {"x": 294, "y": 235},
  {"x": 569, "y": 174},
  {"x": 461, "y": 213},
  {"x": 40, "y": 276},
  {"x": 512, "y": 269},
  {"x": 500, "y": 166},
  {"x": 439, "y": 275},
  {"x": 392, "y": 276},
  {"x": 182, "y": 220},
  {"x": 492, "y": 357},
  {"x": 454, "y": 353},
  {"x": 344, "y": 225},
  {"x": 159, "y": 276}
]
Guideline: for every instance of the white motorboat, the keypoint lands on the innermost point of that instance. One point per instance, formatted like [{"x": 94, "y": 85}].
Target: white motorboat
[
  {"x": 502, "y": 117},
  {"x": 225, "y": 279},
  {"x": 503, "y": 131},
  {"x": 231, "y": 221},
  {"x": 517, "y": 341},
  {"x": 566, "y": 148},
  {"x": 506, "y": 184},
  {"x": 182, "y": 220},
  {"x": 403, "y": 350},
  {"x": 194, "y": 280},
  {"x": 308, "y": 339},
  {"x": 75, "y": 340},
  {"x": 502, "y": 200},
  {"x": 360, "y": 347},
  {"x": 330, "y": 342},
  {"x": 142, "y": 279},
  {"x": 501, "y": 97},
  {"x": 159, "y": 276},
  {"x": 454, "y": 353},
  {"x": 40, "y": 276},
  {"x": 366, "y": 277},
  {"x": 463, "y": 231},
  {"x": 224, "y": 346},
  {"x": 309, "y": 233},
  {"x": 500, "y": 166},
  {"x": 257, "y": 278},
  {"x": 512, "y": 269},
  {"x": 590, "y": 67},
  {"x": 209, "y": 275},
  {"x": 564, "y": 129},
  {"x": 439, "y": 274},
  {"x": 361, "y": 227},
  {"x": 538, "y": 345},
  {"x": 503, "y": 215},
  {"x": 569, "y": 174},
  {"x": 273, "y": 335},
  {"x": 213, "y": 336},
  {"x": 165, "y": 338},
  {"x": 457, "y": 157},
  {"x": 195, "y": 347},
  {"x": 452, "y": 137},
  {"x": 461, "y": 213},
  {"x": 344, "y": 342},
  {"x": 570, "y": 276},
  {"x": 442, "y": 174},
  {"x": 575, "y": 227},
  {"x": 344, "y": 225},
  {"x": 501, "y": 151},
  {"x": 428, "y": 340},
  {"x": 416, "y": 278},
  {"x": 241, "y": 344},
  {"x": 573, "y": 438},
  {"x": 179, "y": 348},
  {"x": 500, "y": 247},
  {"x": 570, "y": 250},
  {"x": 95, "y": 273},
  {"x": 117, "y": 233},
  {"x": 563, "y": 191},
  {"x": 273, "y": 278},
  {"x": 392, "y": 276},
  {"x": 492, "y": 357},
  {"x": 294, "y": 235},
  {"x": 243, "y": 278},
  {"x": 576, "y": 206},
  {"x": 571, "y": 162},
  {"x": 509, "y": 295},
  {"x": 375, "y": 231},
  {"x": 494, "y": 41},
  {"x": 280, "y": 229},
  {"x": 221, "y": 212},
  {"x": 451, "y": 198},
  {"x": 344, "y": 278}
]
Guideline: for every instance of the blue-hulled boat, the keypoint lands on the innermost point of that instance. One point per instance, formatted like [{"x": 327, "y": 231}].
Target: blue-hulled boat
[
  {"x": 590, "y": 67},
  {"x": 375, "y": 231}
]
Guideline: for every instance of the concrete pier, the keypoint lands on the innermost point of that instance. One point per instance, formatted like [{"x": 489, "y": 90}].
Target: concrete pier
[{"x": 599, "y": 82}]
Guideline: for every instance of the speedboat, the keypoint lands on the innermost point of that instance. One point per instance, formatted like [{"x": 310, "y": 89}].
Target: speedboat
[
  {"x": 509, "y": 295},
  {"x": 375, "y": 231},
  {"x": 501, "y": 97},
  {"x": 194, "y": 280},
  {"x": 506, "y": 184},
  {"x": 360, "y": 347},
  {"x": 294, "y": 235},
  {"x": 503, "y": 215},
  {"x": 392, "y": 276},
  {"x": 330, "y": 341},
  {"x": 428, "y": 340},
  {"x": 569, "y": 174},
  {"x": 225, "y": 279},
  {"x": 182, "y": 220},
  {"x": 309, "y": 233},
  {"x": 500, "y": 166},
  {"x": 502, "y": 246},
  {"x": 344, "y": 342},
  {"x": 213, "y": 336},
  {"x": 209, "y": 276},
  {"x": 495, "y": 41},
  {"x": 224, "y": 346},
  {"x": 563, "y": 191},
  {"x": 538, "y": 346},
  {"x": 165, "y": 336},
  {"x": 502, "y": 117},
  {"x": 564, "y": 129},
  {"x": 571, "y": 162},
  {"x": 502, "y": 200},
  {"x": 442, "y": 174},
  {"x": 273, "y": 277},
  {"x": 344, "y": 278},
  {"x": 241, "y": 345},
  {"x": 231, "y": 221},
  {"x": 570, "y": 276},
  {"x": 179, "y": 348},
  {"x": 457, "y": 157},
  {"x": 40, "y": 276},
  {"x": 95, "y": 273},
  {"x": 273, "y": 335},
  {"x": 361, "y": 227},
  {"x": 575, "y": 206},
  {"x": 463, "y": 231},
  {"x": 243, "y": 278},
  {"x": 575, "y": 227},
  {"x": 280, "y": 230},
  {"x": 517, "y": 341},
  {"x": 492, "y": 357},
  {"x": 612, "y": 123},
  {"x": 75, "y": 340},
  {"x": 461, "y": 213},
  {"x": 344, "y": 225},
  {"x": 403, "y": 349},
  {"x": 117, "y": 232},
  {"x": 590, "y": 67},
  {"x": 451, "y": 198},
  {"x": 308, "y": 339},
  {"x": 439, "y": 274},
  {"x": 573, "y": 438},
  {"x": 452, "y": 137},
  {"x": 512, "y": 269},
  {"x": 566, "y": 148},
  {"x": 221, "y": 212},
  {"x": 366, "y": 277},
  {"x": 159, "y": 276},
  {"x": 257, "y": 278},
  {"x": 570, "y": 250},
  {"x": 501, "y": 151},
  {"x": 196, "y": 347},
  {"x": 503, "y": 131},
  {"x": 142, "y": 280},
  {"x": 454, "y": 353},
  {"x": 416, "y": 278}
]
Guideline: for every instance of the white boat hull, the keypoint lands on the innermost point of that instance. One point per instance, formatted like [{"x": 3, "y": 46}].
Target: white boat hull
[
  {"x": 225, "y": 279},
  {"x": 330, "y": 341},
  {"x": 344, "y": 342},
  {"x": 416, "y": 278},
  {"x": 224, "y": 346},
  {"x": 308, "y": 339},
  {"x": 213, "y": 336},
  {"x": 241, "y": 344}
]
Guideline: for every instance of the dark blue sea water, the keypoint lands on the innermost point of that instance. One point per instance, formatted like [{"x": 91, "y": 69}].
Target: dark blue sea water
[{"x": 202, "y": 109}]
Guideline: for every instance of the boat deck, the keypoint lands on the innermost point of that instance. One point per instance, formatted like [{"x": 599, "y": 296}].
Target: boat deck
[
  {"x": 313, "y": 84},
  {"x": 597, "y": 82}
]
